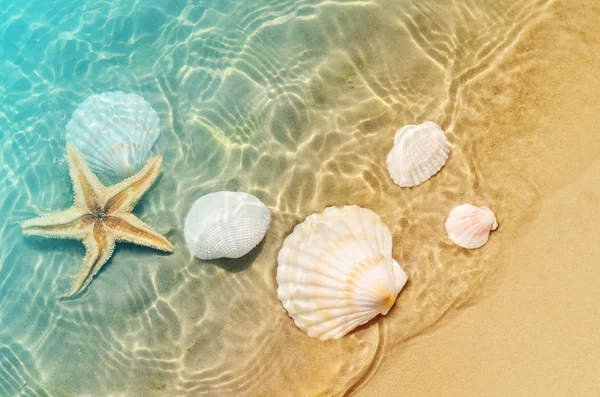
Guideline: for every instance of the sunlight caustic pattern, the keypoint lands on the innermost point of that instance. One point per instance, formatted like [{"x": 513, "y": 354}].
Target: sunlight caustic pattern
[{"x": 295, "y": 102}]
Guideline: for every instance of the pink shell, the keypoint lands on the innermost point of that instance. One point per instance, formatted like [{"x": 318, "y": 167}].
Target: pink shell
[{"x": 469, "y": 226}]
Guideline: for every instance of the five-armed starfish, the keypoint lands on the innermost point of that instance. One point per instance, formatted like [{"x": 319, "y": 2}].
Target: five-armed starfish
[{"x": 100, "y": 216}]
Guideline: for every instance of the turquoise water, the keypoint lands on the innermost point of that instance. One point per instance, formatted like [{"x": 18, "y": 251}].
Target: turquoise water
[{"x": 292, "y": 101}]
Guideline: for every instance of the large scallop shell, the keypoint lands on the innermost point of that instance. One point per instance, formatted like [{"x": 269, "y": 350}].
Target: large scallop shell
[
  {"x": 419, "y": 152},
  {"x": 114, "y": 132},
  {"x": 469, "y": 226},
  {"x": 336, "y": 271},
  {"x": 225, "y": 225}
]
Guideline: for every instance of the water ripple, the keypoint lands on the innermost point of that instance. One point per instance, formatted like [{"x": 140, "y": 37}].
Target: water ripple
[{"x": 293, "y": 101}]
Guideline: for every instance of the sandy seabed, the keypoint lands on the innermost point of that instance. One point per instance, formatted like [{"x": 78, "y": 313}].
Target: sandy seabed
[
  {"x": 533, "y": 332},
  {"x": 297, "y": 102}
]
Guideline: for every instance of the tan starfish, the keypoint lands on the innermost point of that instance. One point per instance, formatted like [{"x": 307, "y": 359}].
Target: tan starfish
[{"x": 100, "y": 216}]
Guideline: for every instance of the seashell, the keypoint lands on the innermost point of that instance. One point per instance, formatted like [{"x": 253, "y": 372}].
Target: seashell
[
  {"x": 225, "y": 225},
  {"x": 335, "y": 271},
  {"x": 114, "y": 132},
  {"x": 419, "y": 152},
  {"x": 469, "y": 226}
]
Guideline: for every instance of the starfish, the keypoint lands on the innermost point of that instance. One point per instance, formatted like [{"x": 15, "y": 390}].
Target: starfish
[{"x": 100, "y": 216}]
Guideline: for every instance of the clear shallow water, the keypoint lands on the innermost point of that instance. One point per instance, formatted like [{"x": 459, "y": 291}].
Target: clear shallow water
[{"x": 295, "y": 102}]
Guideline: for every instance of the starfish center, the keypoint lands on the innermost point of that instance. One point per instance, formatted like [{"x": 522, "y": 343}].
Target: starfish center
[
  {"x": 101, "y": 213},
  {"x": 101, "y": 216}
]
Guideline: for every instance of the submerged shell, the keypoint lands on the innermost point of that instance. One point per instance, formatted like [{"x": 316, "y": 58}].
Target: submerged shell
[
  {"x": 114, "y": 132},
  {"x": 419, "y": 152},
  {"x": 469, "y": 226},
  {"x": 336, "y": 271},
  {"x": 225, "y": 225}
]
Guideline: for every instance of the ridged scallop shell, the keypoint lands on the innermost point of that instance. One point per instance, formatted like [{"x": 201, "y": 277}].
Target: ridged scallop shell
[
  {"x": 335, "y": 271},
  {"x": 419, "y": 152},
  {"x": 225, "y": 225},
  {"x": 469, "y": 226},
  {"x": 114, "y": 132}
]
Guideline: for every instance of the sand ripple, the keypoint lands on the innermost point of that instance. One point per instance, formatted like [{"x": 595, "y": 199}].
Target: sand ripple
[{"x": 18, "y": 374}]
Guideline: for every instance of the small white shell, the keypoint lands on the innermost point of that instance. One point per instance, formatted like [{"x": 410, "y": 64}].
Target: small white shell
[
  {"x": 335, "y": 271},
  {"x": 114, "y": 132},
  {"x": 225, "y": 225},
  {"x": 419, "y": 152},
  {"x": 469, "y": 226}
]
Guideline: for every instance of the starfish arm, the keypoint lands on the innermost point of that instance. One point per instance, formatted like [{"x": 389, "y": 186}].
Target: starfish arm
[
  {"x": 99, "y": 246},
  {"x": 127, "y": 227},
  {"x": 73, "y": 223},
  {"x": 86, "y": 186},
  {"x": 124, "y": 196}
]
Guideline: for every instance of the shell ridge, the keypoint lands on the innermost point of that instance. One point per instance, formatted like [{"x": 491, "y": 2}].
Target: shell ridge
[
  {"x": 370, "y": 294},
  {"x": 373, "y": 225},
  {"x": 469, "y": 226},
  {"x": 303, "y": 258},
  {"x": 335, "y": 321},
  {"x": 335, "y": 271},
  {"x": 323, "y": 291},
  {"x": 340, "y": 310},
  {"x": 364, "y": 238},
  {"x": 225, "y": 224},
  {"x": 476, "y": 233},
  {"x": 345, "y": 328},
  {"x": 375, "y": 240},
  {"x": 307, "y": 273},
  {"x": 116, "y": 129},
  {"x": 356, "y": 237},
  {"x": 418, "y": 153}
]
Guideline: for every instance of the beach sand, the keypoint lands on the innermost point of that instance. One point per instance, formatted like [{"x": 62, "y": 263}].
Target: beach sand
[
  {"x": 533, "y": 331},
  {"x": 297, "y": 103},
  {"x": 536, "y": 334}
]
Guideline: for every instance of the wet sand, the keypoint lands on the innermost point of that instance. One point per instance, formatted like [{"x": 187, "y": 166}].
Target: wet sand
[
  {"x": 297, "y": 103},
  {"x": 533, "y": 332},
  {"x": 536, "y": 335}
]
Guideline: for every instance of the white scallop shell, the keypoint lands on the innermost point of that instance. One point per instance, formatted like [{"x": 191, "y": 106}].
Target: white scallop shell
[
  {"x": 114, "y": 132},
  {"x": 335, "y": 271},
  {"x": 225, "y": 225},
  {"x": 419, "y": 152},
  {"x": 469, "y": 226}
]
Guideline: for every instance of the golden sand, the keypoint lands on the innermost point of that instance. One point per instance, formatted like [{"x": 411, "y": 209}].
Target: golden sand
[
  {"x": 533, "y": 330},
  {"x": 298, "y": 104},
  {"x": 517, "y": 101}
]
